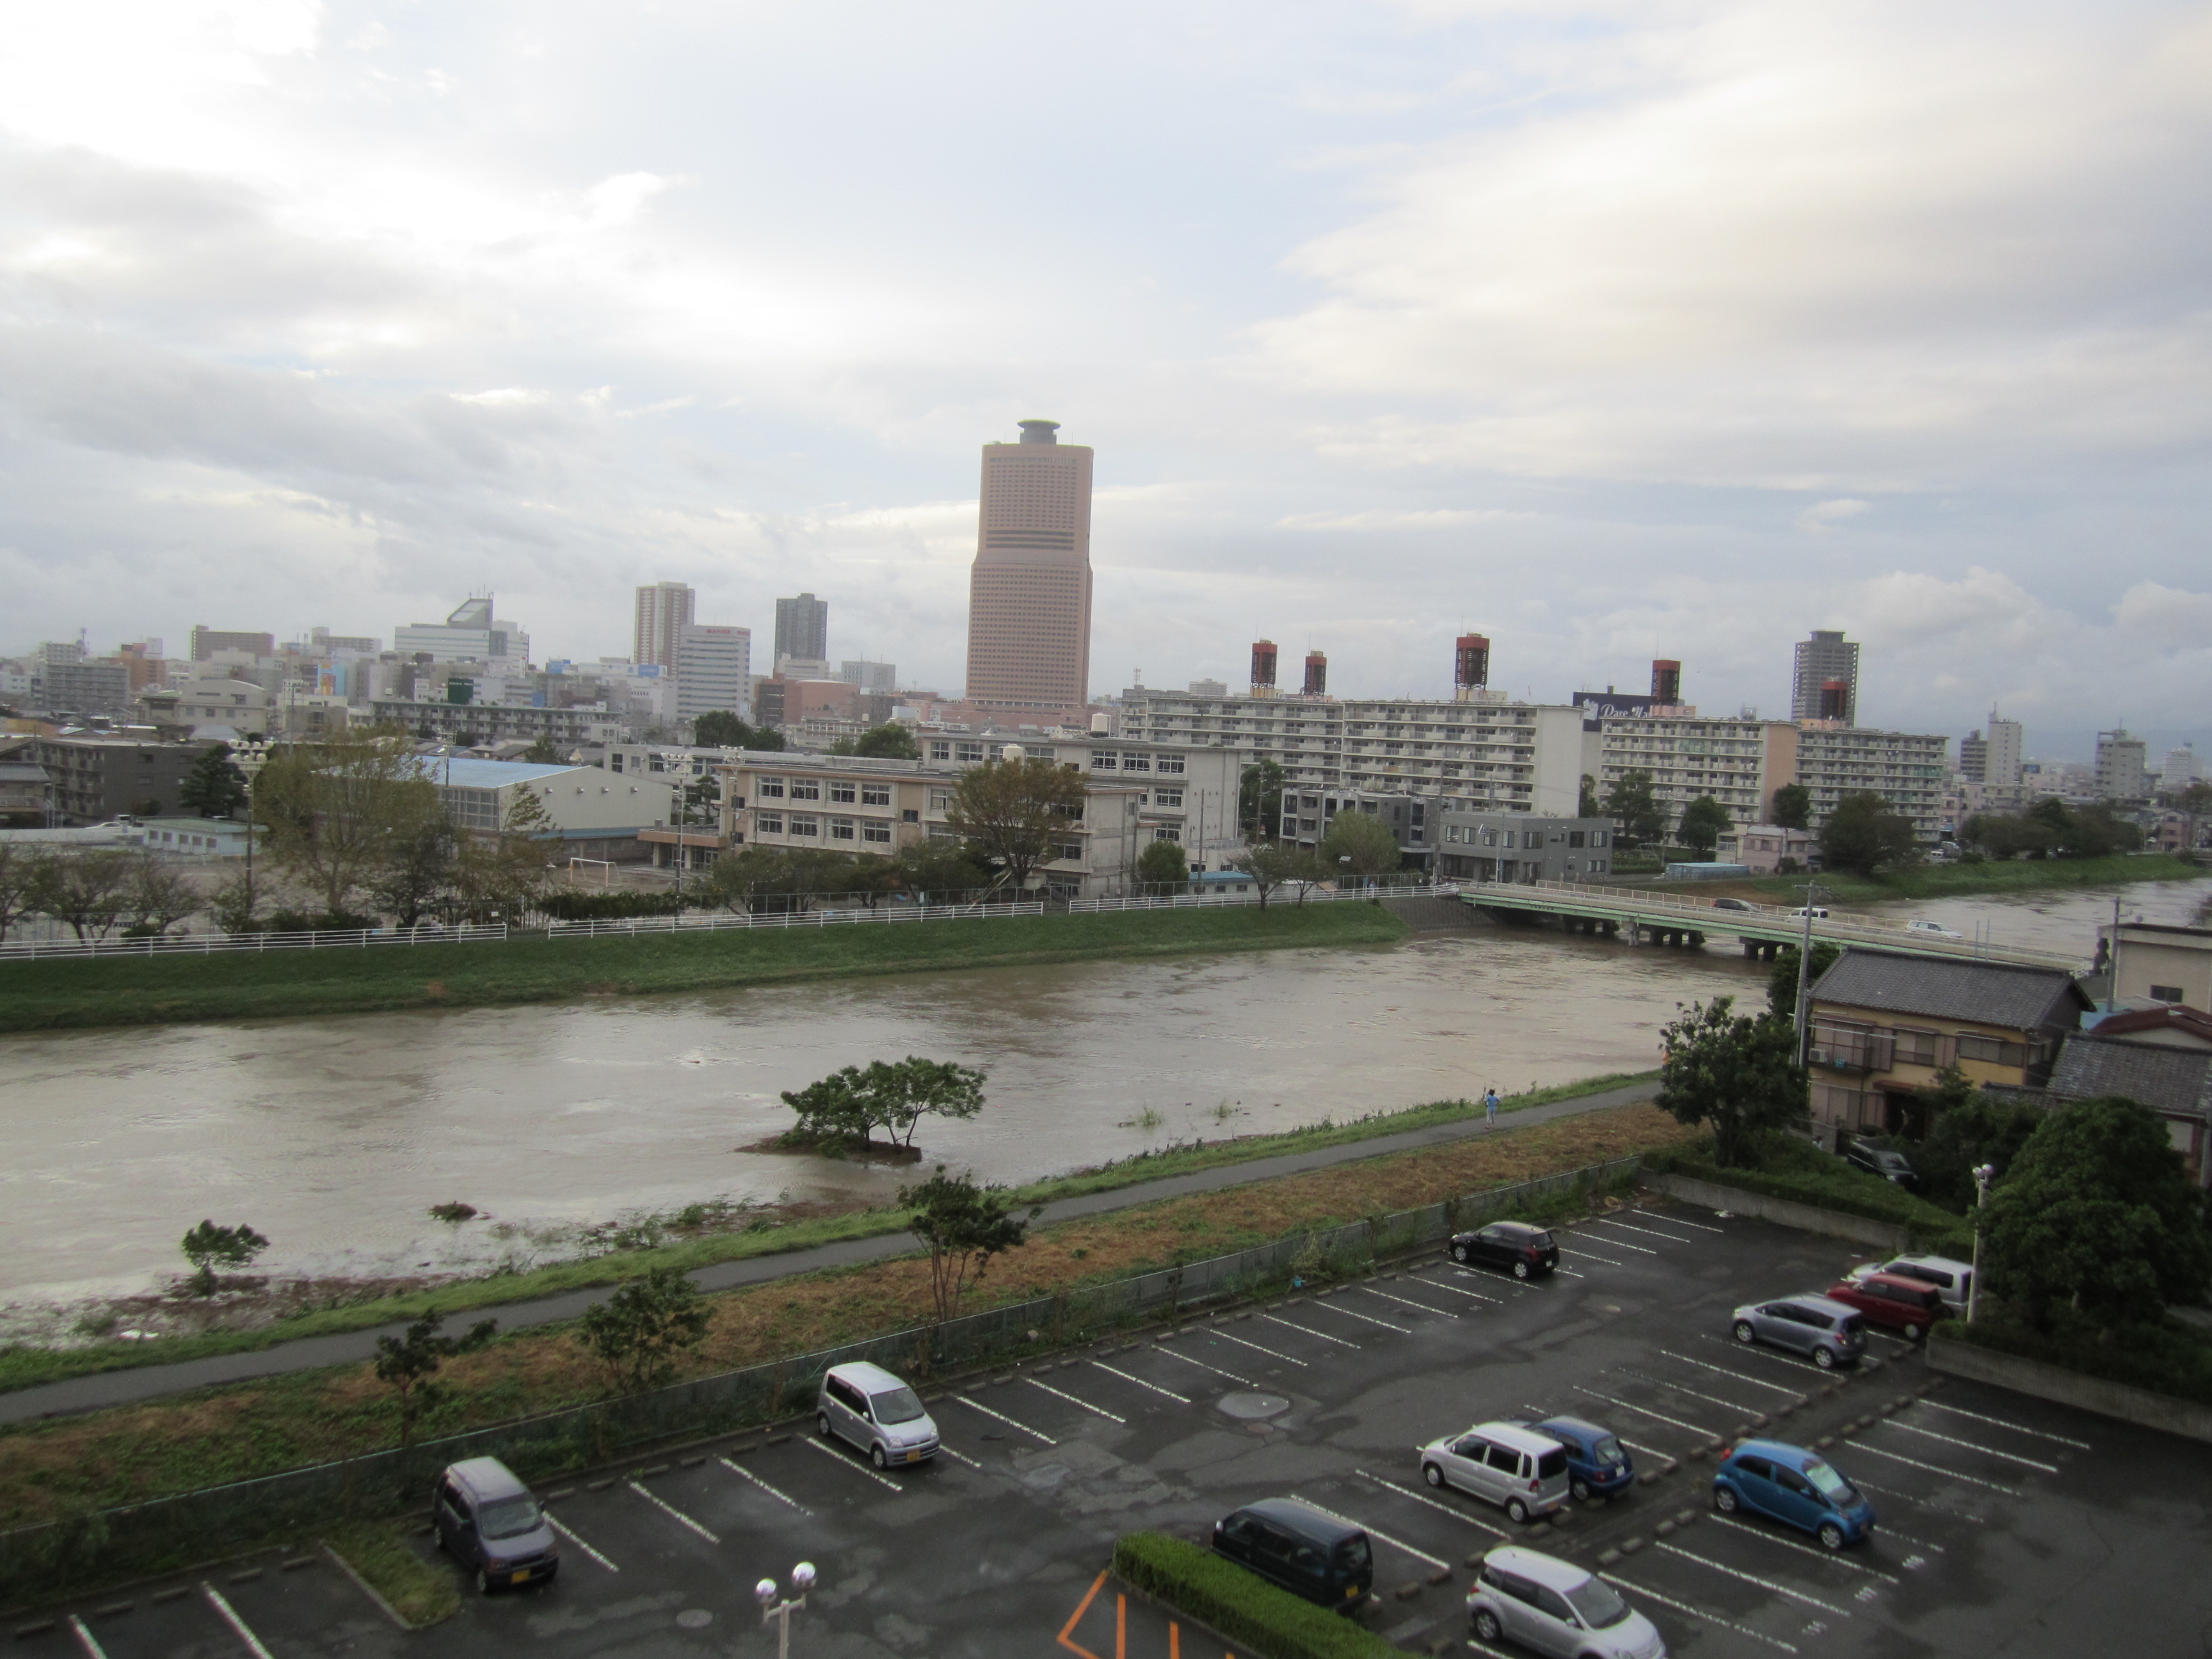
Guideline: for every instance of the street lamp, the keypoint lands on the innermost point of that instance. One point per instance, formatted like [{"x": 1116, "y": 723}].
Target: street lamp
[
  {"x": 1805, "y": 970},
  {"x": 1983, "y": 1175},
  {"x": 802, "y": 1580},
  {"x": 249, "y": 756},
  {"x": 679, "y": 809}
]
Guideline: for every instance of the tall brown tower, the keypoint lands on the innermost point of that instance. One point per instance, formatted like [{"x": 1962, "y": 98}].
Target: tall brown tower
[{"x": 1028, "y": 593}]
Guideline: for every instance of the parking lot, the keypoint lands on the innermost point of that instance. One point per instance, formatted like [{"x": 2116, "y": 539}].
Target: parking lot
[{"x": 2007, "y": 1526}]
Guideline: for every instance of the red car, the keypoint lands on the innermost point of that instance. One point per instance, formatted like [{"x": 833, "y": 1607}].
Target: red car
[{"x": 1906, "y": 1306}]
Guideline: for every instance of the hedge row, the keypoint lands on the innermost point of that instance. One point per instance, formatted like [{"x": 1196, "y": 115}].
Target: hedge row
[
  {"x": 1828, "y": 1183},
  {"x": 2171, "y": 1359},
  {"x": 1241, "y": 1605}
]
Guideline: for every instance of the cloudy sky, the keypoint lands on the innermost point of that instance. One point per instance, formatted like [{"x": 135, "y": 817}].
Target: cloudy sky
[{"x": 1613, "y": 331}]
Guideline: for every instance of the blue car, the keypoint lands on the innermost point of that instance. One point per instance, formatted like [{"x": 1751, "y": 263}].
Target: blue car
[
  {"x": 1598, "y": 1465},
  {"x": 1794, "y": 1485}
]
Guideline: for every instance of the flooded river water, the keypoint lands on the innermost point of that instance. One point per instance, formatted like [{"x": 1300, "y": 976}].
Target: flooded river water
[{"x": 334, "y": 1136}]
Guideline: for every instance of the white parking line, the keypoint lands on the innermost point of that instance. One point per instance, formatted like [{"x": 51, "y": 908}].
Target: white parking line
[
  {"x": 1710, "y": 1399},
  {"x": 1382, "y": 1537},
  {"x": 1461, "y": 1289},
  {"x": 1323, "y": 1336},
  {"x": 1623, "y": 1244},
  {"x": 1073, "y": 1400},
  {"x": 1707, "y": 1365},
  {"x": 1935, "y": 1468},
  {"x": 1753, "y": 1578},
  {"x": 91, "y": 1649},
  {"x": 1569, "y": 1272},
  {"x": 1801, "y": 1366},
  {"x": 1885, "y": 1531},
  {"x": 1580, "y": 1252},
  {"x": 1920, "y": 1502},
  {"x": 239, "y": 1627},
  {"x": 1648, "y": 1451},
  {"x": 1998, "y": 1422},
  {"x": 1643, "y": 1412},
  {"x": 1699, "y": 1613},
  {"x": 1259, "y": 1348},
  {"x": 669, "y": 1509},
  {"x": 569, "y": 1534},
  {"x": 1354, "y": 1313},
  {"x": 958, "y": 1457},
  {"x": 1407, "y": 1302},
  {"x": 1005, "y": 1419},
  {"x": 1180, "y": 1399},
  {"x": 743, "y": 1472},
  {"x": 1446, "y": 1509},
  {"x": 1649, "y": 1232},
  {"x": 1834, "y": 1556},
  {"x": 1161, "y": 1348},
  {"x": 843, "y": 1461},
  {"x": 1480, "y": 1648},
  {"x": 1677, "y": 1221},
  {"x": 1987, "y": 1451}
]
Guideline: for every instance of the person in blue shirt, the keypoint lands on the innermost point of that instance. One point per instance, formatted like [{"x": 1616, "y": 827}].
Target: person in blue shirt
[{"x": 1490, "y": 1105}]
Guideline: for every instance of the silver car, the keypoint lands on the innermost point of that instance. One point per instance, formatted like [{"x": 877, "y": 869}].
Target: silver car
[
  {"x": 1520, "y": 1471},
  {"x": 1828, "y": 1332},
  {"x": 1554, "y": 1606},
  {"x": 875, "y": 1411}
]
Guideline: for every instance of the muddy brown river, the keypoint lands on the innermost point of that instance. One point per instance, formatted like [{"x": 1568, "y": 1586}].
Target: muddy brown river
[{"x": 334, "y": 1136}]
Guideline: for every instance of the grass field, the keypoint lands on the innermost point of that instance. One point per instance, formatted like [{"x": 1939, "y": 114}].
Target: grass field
[
  {"x": 24, "y": 1367},
  {"x": 50, "y": 995},
  {"x": 1964, "y": 880},
  {"x": 63, "y": 1465}
]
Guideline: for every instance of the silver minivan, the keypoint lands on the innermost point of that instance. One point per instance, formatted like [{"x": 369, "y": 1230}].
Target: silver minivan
[
  {"x": 1520, "y": 1471},
  {"x": 873, "y": 1410},
  {"x": 1954, "y": 1280},
  {"x": 1554, "y": 1606}
]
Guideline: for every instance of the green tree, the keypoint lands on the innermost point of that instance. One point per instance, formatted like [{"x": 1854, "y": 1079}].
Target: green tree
[
  {"x": 409, "y": 1363},
  {"x": 2098, "y": 1216},
  {"x": 1793, "y": 807},
  {"x": 848, "y": 1107},
  {"x": 890, "y": 741},
  {"x": 1163, "y": 864},
  {"x": 1360, "y": 843},
  {"x": 22, "y": 881},
  {"x": 158, "y": 897},
  {"x": 214, "y": 788},
  {"x": 1705, "y": 821},
  {"x": 1270, "y": 865},
  {"x": 544, "y": 752},
  {"x": 1864, "y": 834},
  {"x": 416, "y": 874},
  {"x": 1631, "y": 804},
  {"x": 208, "y": 1247},
  {"x": 1015, "y": 813},
  {"x": 721, "y": 729},
  {"x": 638, "y": 1332},
  {"x": 335, "y": 810},
  {"x": 1782, "y": 982},
  {"x": 964, "y": 1226},
  {"x": 504, "y": 874},
  {"x": 86, "y": 891},
  {"x": 1586, "y": 805},
  {"x": 1967, "y": 1129},
  {"x": 1736, "y": 1073},
  {"x": 1260, "y": 800},
  {"x": 933, "y": 869}
]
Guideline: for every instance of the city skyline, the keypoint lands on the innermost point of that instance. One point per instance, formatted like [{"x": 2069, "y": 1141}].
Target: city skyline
[{"x": 307, "y": 326}]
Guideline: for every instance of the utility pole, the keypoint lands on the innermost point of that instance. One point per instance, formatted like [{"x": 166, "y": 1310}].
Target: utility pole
[{"x": 1805, "y": 974}]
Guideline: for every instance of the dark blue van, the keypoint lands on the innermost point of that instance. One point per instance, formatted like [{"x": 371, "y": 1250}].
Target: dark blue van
[{"x": 1598, "y": 1465}]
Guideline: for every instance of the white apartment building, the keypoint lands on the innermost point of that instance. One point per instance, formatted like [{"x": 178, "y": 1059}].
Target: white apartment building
[
  {"x": 1906, "y": 769},
  {"x": 469, "y": 635},
  {"x": 713, "y": 671},
  {"x": 204, "y": 701},
  {"x": 2121, "y": 774},
  {"x": 1739, "y": 761}
]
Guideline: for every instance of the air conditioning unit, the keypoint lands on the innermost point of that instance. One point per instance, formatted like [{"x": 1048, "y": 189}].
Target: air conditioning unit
[{"x": 1817, "y": 1056}]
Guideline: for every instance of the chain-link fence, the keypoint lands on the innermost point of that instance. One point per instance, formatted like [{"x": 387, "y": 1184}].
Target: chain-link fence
[{"x": 42, "y": 1561}]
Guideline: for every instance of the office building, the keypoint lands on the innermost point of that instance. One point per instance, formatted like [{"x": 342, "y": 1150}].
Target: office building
[
  {"x": 469, "y": 634},
  {"x": 1028, "y": 594},
  {"x": 802, "y": 630},
  {"x": 2180, "y": 768},
  {"x": 714, "y": 670},
  {"x": 1825, "y": 685},
  {"x": 2121, "y": 774},
  {"x": 206, "y": 642},
  {"x": 664, "y": 610},
  {"x": 880, "y": 678}
]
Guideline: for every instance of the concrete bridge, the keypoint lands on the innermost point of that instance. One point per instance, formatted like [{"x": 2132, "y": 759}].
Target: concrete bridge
[{"x": 1686, "y": 918}]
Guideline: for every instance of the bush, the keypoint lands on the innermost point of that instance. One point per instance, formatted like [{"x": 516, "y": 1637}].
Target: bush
[
  {"x": 2168, "y": 1358},
  {"x": 606, "y": 906},
  {"x": 1798, "y": 1170},
  {"x": 1241, "y": 1605}
]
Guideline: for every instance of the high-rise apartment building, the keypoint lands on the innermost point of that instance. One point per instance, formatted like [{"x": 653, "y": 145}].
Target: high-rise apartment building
[
  {"x": 2003, "y": 756},
  {"x": 2120, "y": 771},
  {"x": 1028, "y": 593},
  {"x": 1826, "y": 683},
  {"x": 877, "y": 679},
  {"x": 714, "y": 670},
  {"x": 1974, "y": 756},
  {"x": 2180, "y": 768},
  {"x": 664, "y": 610},
  {"x": 802, "y": 630},
  {"x": 1906, "y": 768}
]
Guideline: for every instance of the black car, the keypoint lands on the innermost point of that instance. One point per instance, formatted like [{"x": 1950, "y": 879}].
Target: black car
[
  {"x": 1521, "y": 1249},
  {"x": 1884, "y": 1161},
  {"x": 1307, "y": 1553}
]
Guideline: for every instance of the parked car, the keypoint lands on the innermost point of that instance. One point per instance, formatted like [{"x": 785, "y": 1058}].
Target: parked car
[
  {"x": 1829, "y": 1332},
  {"x": 487, "y": 1520},
  {"x": 1521, "y": 1249},
  {"x": 876, "y": 1411},
  {"x": 1300, "y": 1549},
  {"x": 1733, "y": 904},
  {"x": 1907, "y": 1306},
  {"x": 1522, "y": 1471},
  {"x": 1598, "y": 1465},
  {"x": 1795, "y": 1486},
  {"x": 1819, "y": 913},
  {"x": 1953, "y": 1280},
  {"x": 1935, "y": 928},
  {"x": 1551, "y": 1606},
  {"x": 1886, "y": 1162}
]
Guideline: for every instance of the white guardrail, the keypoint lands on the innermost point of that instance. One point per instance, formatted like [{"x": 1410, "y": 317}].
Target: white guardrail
[{"x": 352, "y": 939}]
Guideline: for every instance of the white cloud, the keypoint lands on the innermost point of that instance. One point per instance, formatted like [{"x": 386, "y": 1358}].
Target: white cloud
[{"x": 1825, "y": 518}]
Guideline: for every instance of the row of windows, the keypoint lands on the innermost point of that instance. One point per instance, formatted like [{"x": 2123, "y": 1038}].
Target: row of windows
[
  {"x": 842, "y": 790},
  {"x": 874, "y": 832},
  {"x": 1109, "y": 760}
]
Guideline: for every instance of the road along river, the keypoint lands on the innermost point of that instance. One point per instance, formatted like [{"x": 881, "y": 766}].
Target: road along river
[{"x": 334, "y": 1136}]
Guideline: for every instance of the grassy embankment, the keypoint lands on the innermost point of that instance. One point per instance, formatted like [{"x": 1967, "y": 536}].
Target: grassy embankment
[
  {"x": 55, "y": 994},
  {"x": 26, "y": 1367},
  {"x": 1965, "y": 880},
  {"x": 1798, "y": 1170},
  {"x": 56, "y": 1467}
]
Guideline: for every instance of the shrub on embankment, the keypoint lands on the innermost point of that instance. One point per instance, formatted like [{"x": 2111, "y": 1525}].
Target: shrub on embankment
[{"x": 1239, "y": 1604}]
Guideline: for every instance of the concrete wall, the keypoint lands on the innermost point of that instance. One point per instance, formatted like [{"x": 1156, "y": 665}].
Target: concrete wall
[
  {"x": 1787, "y": 1212},
  {"x": 2088, "y": 1393}
]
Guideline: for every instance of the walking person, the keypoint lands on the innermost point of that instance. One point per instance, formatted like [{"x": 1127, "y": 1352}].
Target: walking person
[{"x": 1490, "y": 1105}]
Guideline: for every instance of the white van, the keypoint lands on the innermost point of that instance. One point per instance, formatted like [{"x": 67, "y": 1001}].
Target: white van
[
  {"x": 1954, "y": 1280},
  {"x": 1524, "y": 1473},
  {"x": 1818, "y": 912},
  {"x": 873, "y": 1410}
]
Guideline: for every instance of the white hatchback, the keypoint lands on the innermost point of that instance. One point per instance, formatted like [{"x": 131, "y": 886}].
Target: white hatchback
[
  {"x": 1524, "y": 1473},
  {"x": 1554, "y": 1606},
  {"x": 875, "y": 1411}
]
